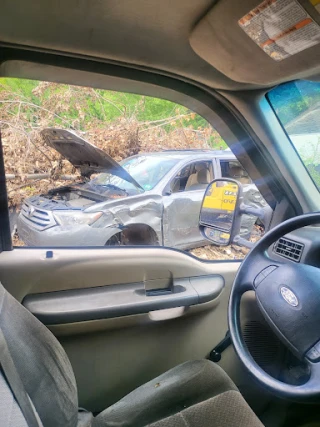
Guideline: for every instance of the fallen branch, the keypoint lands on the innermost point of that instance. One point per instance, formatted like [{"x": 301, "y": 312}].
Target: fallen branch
[
  {"x": 21, "y": 186},
  {"x": 30, "y": 104},
  {"x": 38, "y": 176}
]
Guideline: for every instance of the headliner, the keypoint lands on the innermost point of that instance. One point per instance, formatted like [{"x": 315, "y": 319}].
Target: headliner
[{"x": 154, "y": 34}]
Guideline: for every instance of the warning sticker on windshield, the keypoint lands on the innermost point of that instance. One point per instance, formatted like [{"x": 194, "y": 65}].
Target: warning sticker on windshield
[{"x": 281, "y": 28}]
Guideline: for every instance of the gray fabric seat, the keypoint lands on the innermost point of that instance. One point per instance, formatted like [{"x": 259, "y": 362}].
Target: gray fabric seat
[{"x": 197, "y": 393}]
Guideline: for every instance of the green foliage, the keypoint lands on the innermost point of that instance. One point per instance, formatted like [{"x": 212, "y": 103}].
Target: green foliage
[
  {"x": 314, "y": 173},
  {"x": 20, "y": 86},
  {"x": 295, "y": 101},
  {"x": 310, "y": 155},
  {"x": 86, "y": 104},
  {"x": 291, "y": 99}
]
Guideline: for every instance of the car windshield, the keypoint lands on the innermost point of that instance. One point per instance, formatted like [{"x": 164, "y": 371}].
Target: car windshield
[
  {"x": 146, "y": 170},
  {"x": 297, "y": 105}
]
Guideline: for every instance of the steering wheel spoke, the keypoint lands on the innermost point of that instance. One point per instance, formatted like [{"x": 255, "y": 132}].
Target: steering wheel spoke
[
  {"x": 314, "y": 380},
  {"x": 256, "y": 270},
  {"x": 310, "y": 389}
]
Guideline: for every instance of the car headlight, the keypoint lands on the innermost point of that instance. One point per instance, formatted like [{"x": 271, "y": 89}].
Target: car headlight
[{"x": 76, "y": 218}]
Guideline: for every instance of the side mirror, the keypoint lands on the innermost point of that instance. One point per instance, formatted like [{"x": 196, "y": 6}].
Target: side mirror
[
  {"x": 223, "y": 212},
  {"x": 220, "y": 216}
]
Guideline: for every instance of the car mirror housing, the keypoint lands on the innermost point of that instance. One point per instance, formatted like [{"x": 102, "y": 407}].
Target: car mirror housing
[
  {"x": 220, "y": 214},
  {"x": 222, "y": 210}
]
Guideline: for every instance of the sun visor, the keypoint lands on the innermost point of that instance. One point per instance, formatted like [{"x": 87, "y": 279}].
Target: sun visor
[{"x": 261, "y": 43}]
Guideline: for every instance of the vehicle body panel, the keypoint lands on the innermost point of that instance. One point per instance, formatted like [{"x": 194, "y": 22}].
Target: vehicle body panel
[
  {"x": 181, "y": 219},
  {"x": 142, "y": 209},
  {"x": 171, "y": 218}
]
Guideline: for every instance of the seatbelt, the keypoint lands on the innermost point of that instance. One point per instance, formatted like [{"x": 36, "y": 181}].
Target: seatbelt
[{"x": 16, "y": 384}]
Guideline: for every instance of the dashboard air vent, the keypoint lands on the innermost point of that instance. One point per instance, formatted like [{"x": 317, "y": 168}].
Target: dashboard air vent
[{"x": 288, "y": 249}]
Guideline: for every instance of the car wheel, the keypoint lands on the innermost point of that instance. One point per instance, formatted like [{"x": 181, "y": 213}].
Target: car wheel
[
  {"x": 115, "y": 240},
  {"x": 134, "y": 235}
]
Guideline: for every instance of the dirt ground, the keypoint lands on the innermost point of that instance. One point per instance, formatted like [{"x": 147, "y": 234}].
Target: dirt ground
[{"x": 212, "y": 252}]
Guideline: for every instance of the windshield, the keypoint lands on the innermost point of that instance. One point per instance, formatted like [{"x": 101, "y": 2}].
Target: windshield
[
  {"x": 146, "y": 170},
  {"x": 297, "y": 105}
]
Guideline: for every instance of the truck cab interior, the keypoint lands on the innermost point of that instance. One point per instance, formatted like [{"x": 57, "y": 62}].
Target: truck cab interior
[{"x": 153, "y": 335}]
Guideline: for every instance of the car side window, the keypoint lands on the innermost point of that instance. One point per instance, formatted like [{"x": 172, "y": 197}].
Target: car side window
[
  {"x": 98, "y": 168},
  {"x": 194, "y": 176},
  {"x": 233, "y": 169}
]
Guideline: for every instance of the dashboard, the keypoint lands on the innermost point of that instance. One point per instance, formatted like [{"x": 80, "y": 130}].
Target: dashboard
[{"x": 301, "y": 246}]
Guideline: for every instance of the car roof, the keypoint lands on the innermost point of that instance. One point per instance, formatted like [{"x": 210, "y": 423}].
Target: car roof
[
  {"x": 190, "y": 154},
  {"x": 201, "y": 40}
]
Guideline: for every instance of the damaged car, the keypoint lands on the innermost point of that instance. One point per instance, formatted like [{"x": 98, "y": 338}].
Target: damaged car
[{"x": 147, "y": 199}]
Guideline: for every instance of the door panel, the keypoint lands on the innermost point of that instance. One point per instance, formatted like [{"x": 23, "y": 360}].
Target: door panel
[
  {"x": 113, "y": 355},
  {"x": 29, "y": 271},
  {"x": 181, "y": 208},
  {"x": 181, "y": 218}
]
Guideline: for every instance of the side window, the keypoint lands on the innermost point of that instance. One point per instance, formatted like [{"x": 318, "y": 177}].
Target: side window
[
  {"x": 296, "y": 104},
  {"x": 233, "y": 169},
  {"x": 194, "y": 176},
  {"x": 109, "y": 193}
]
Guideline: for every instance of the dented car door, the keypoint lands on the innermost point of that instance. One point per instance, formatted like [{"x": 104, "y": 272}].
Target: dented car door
[
  {"x": 180, "y": 219},
  {"x": 182, "y": 202}
]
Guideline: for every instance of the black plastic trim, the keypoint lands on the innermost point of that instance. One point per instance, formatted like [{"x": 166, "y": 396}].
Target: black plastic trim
[{"x": 5, "y": 235}]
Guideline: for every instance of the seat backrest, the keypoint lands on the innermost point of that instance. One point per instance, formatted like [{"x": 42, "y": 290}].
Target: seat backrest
[
  {"x": 236, "y": 172},
  {"x": 203, "y": 176},
  {"x": 10, "y": 412},
  {"x": 203, "y": 179},
  {"x": 200, "y": 175},
  {"x": 42, "y": 364},
  {"x": 193, "y": 179}
]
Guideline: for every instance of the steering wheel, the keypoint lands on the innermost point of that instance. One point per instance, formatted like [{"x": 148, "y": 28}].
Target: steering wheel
[{"x": 288, "y": 295}]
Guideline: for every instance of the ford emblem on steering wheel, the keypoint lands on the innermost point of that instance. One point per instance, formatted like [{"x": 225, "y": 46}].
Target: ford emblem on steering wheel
[{"x": 289, "y": 296}]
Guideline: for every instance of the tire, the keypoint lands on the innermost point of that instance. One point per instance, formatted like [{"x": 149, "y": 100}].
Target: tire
[
  {"x": 135, "y": 235},
  {"x": 115, "y": 240}
]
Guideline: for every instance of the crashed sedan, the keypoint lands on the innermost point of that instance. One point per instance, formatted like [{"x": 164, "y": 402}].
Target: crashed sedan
[{"x": 148, "y": 199}]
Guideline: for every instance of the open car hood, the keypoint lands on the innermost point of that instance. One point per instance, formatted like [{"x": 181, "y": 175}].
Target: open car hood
[{"x": 83, "y": 155}]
